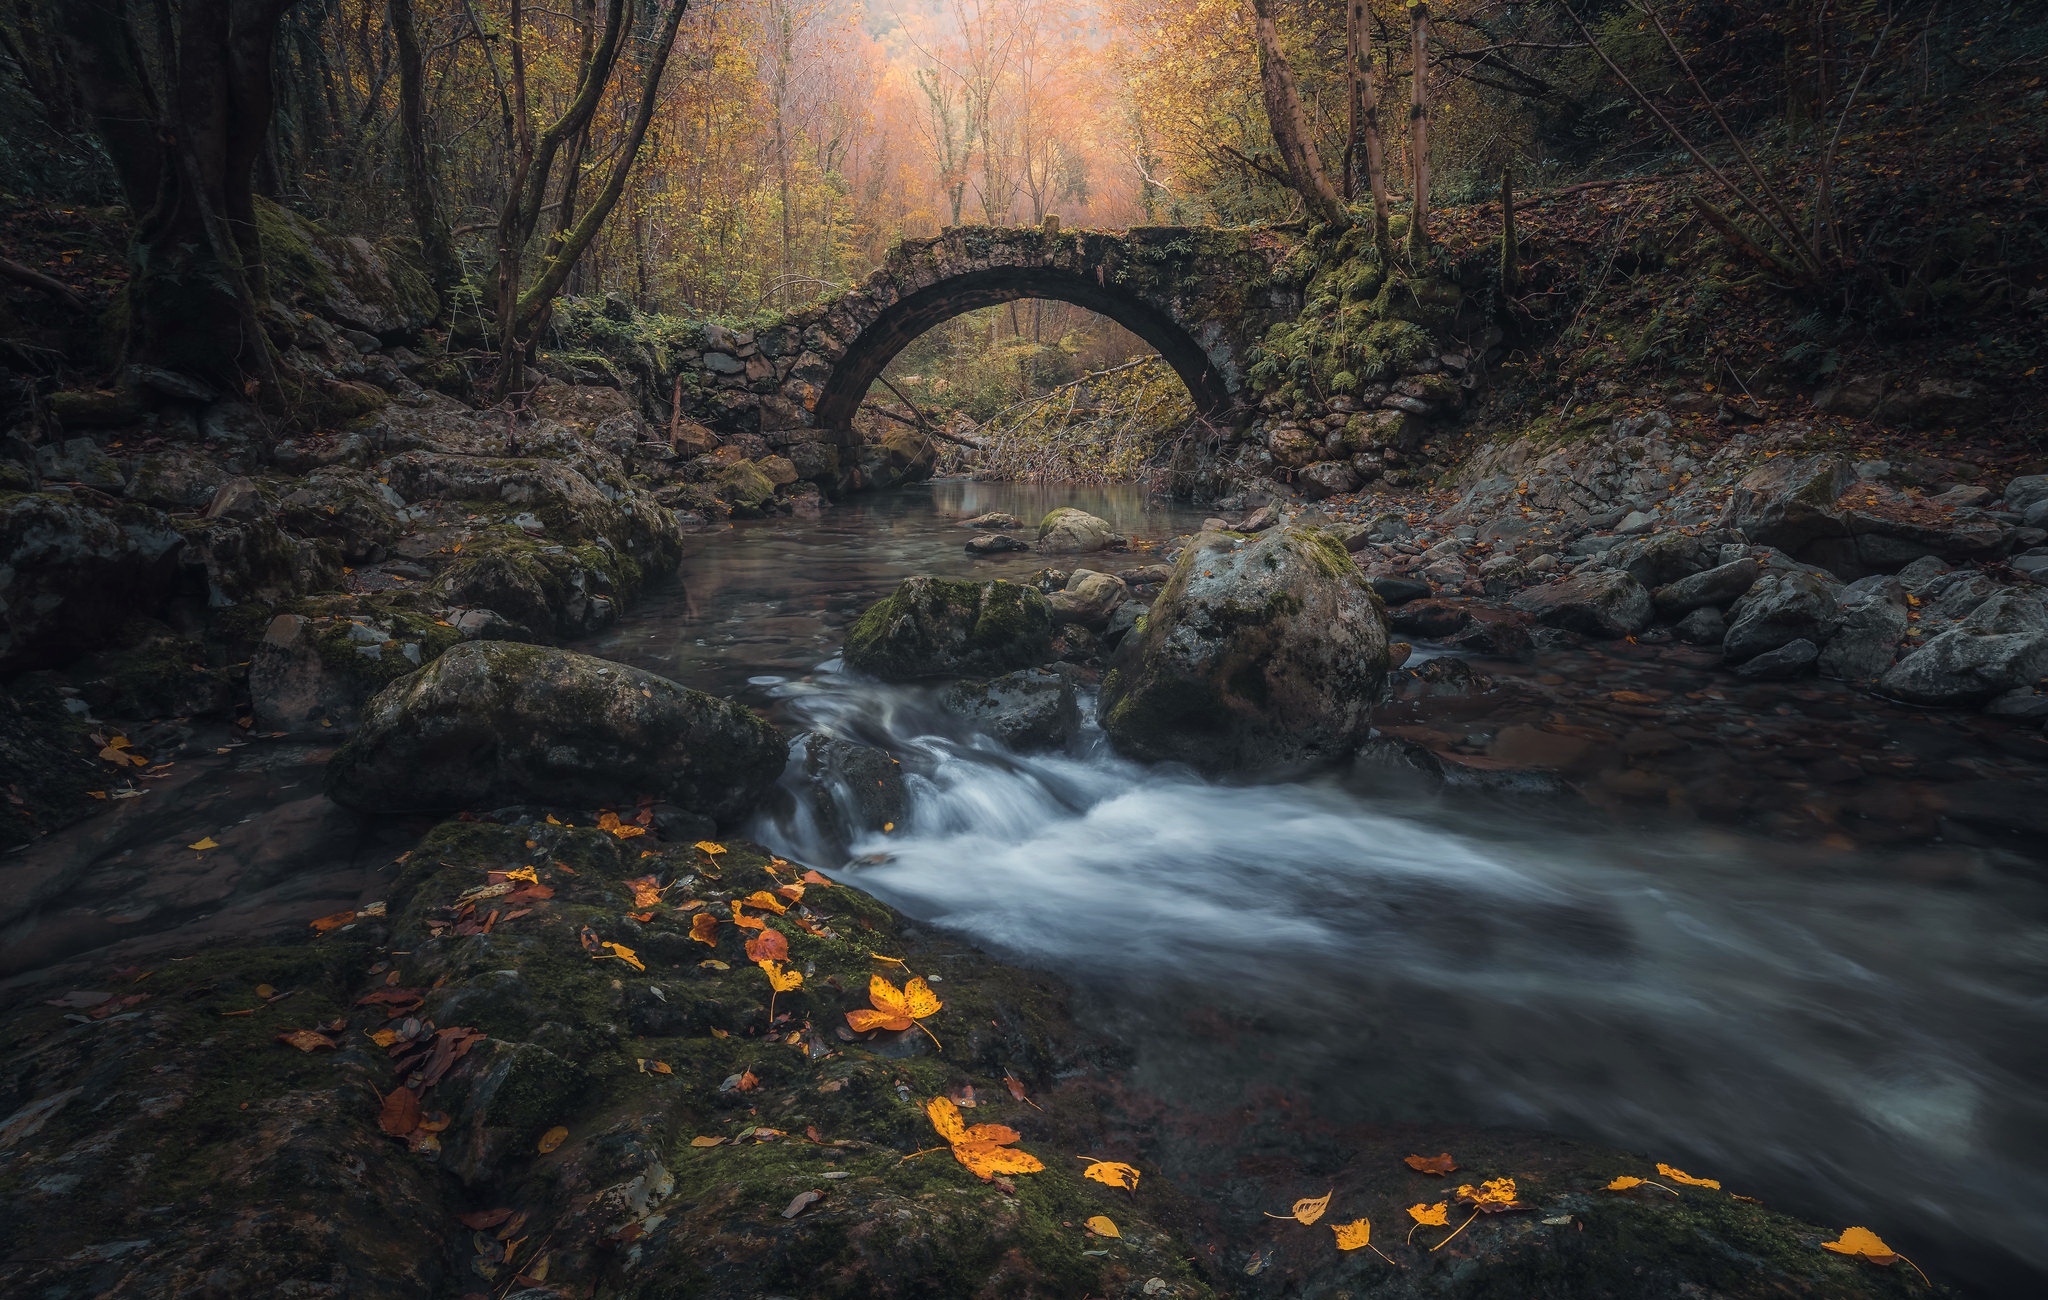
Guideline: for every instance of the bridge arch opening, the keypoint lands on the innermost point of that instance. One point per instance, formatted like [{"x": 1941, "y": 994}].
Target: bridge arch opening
[{"x": 901, "y": 322}]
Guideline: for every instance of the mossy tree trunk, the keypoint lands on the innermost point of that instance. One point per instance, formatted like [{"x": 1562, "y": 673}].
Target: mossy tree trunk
[
  {"x": 430, "y": 223},
  {"x": 1289, "y": 124},
  {"x": 1418, "y": 127},
  {"x": 182, "y": 101},
  {"x": 1366, "y": 153}
]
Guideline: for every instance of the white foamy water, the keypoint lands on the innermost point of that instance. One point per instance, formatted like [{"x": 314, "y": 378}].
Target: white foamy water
[{"x": 1853, "y": 1041}]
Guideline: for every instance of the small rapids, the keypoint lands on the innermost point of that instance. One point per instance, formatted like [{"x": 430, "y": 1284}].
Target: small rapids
[{"x": 1826, "y": 1030}]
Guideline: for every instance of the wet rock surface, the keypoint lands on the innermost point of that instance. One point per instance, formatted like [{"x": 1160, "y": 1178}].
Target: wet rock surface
[
  {"x": 573, "y": 1096},
  {"x": 939, "y": 627},
  {"x": 1257, "y": 652},
  {"x": 492, "y": 724}
]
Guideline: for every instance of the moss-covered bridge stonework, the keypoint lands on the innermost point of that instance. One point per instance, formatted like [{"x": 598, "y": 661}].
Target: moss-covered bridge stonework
[{"x": 1202, "y": 297}]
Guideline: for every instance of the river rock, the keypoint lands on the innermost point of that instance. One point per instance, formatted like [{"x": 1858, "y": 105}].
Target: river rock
[
  {"x": 1068, "y": 531},
  {"x": 2026, "y": 492},
  {"x": 941, "y": 627},
  {"x": 1029, "y": 710},
  {"x": 1785, "y": 605},
  {"x": 1256, "y": 653},
  {"x": 1662, "y": 558},
  {"x": 1787, "y": 661},
  {"x": 1787, "y": 503},
  {"x": 491, "y": 723},
  {"x": 349, "y": 507},
  {"x": 1605, "y": 603},
  {"x": 1704, "y": 626},
  {"x": 1867, "y": 639},
  {"x": 851, "y": 789},
  {"x": 1719, "y": 585},
  {"x": 73, "y": 570},
  {"x": 993, "y": 519},
  {"x": 1089, "y": 599},
  {"x": 995, "y": 544},
  {"x": 1399, "y": 591},
  {"x": 1326, "y": 478},
  {"x": 1966, "y": 666}
]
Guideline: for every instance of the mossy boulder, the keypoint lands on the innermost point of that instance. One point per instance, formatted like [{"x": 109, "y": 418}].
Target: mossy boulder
[
  {"x": 494, "y": 723},
  {"x": 543, "y": 588},
  {"x": 1067, "y": 531},
  {"x": 75, "y": 570},
  {"x": 1258, "y": 652},
  {"x": 745, "y": 488},
  {"x": 942, "y": 627}
]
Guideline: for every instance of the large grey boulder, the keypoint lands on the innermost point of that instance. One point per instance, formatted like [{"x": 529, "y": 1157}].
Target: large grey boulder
[
  {"x": 942, "y": 627},
  {"x": 1721, "y": 585},
  {"x": 492, "y": 723},
  {"x": 73, "y": 571},
  {"x": 1068, "y": 531},
  {"x": 1788, "y": 503},
  {"x": 1260, "y": 652},
  {"x": 2023, "y": 494},
  {"x": 1605, "y": 603},
  {"x": 1030, "y": 709},
  {"x": 1867, "y": 639},
  {"x": 1089, "y": 599},
  {"x": 850, "y": 789},
  {"x": 1967, "y": 666},
  {"x": 1786, "y": 604},
  {"x": 1662, "y": 558}
]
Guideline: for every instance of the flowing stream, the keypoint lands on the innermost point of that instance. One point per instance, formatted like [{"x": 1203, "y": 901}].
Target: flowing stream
[{"x": 1842, "y": 1033}]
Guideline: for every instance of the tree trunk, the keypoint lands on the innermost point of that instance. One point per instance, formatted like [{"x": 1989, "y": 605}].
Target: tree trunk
[
  {"x": 1365, "y": 125},
  {"x": 436, "y": 246},
  {"x": 1510, "y": 254},
  {"x": 1418, "y": 126},
  {"x": 1290, "y": 124},
  {"x": 185, "y": 152}
]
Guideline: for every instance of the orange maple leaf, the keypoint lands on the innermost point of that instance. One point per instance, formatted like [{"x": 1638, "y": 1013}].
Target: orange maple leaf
[
  {"x": 986, "y": 1149},
  {"x": 896, "y": 1008}
]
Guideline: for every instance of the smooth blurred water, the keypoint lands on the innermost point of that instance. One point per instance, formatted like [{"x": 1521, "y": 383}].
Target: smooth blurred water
[
  {"x": 1832, "y": 1031},
  {"x": 1829, "y": 1032}
]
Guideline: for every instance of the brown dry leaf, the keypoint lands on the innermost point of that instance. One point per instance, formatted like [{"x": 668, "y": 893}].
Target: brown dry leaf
[
  {"x": 1354, "y": 1235},
  {"x": 400, "y": 1114},
  {"x": 1431, "y": 1216},
  {"x": 610, "y": 822},
  {"x": 551, "y": 1139},
  {"x": 769, "y": 945},
  {"x": 1113, "y": 1172},
  {"x": 1438, "y": 1165},
  {"x": 704, "y": 928},
  {"x": 1308, "y": 1209},
  {"x": 747, "y": 1081},
  {"x": 653, "y": 1067},
  {"x": 1493, "y": 1196},
  {"x": 986, "y": 1149},
  {"x": 801, "y": 1202},
  {"x": 1102, "y": 1225},
  {"x": 266, "y": 991},
  {"x": 813, "y": 878},
  {"x": 646, "y": 893},
  {"x": 794, "y": 893},
  {"x": 1680, "y": 1176},
  {"x": 306, "y": 1040},
  {"x": 481, "y": 1220},
  {"x": 707, "y": 1141}
]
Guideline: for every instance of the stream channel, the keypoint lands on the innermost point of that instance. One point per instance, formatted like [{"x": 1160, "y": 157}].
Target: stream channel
[{"x": 1854, "y": 1031}]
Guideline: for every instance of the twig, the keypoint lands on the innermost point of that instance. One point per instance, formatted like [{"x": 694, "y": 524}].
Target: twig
[{"x": 45, "y": 285}]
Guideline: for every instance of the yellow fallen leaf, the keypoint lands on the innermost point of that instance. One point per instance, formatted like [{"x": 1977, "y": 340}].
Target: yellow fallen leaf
[
  {"x": 1861, "y": 1241},
  {"x": 1622, "y": 1183},
  {"x": 1308, "y": 1209},
  {"x": 985, "y": 1149},
  {"x": 207, "y": 843},
  {"x": 383, "y": 1037},
  {"x": 623, "y": 953},
  {"x": 779, "y": 979},
  {"x": 895, "y": 1008},
  {"x": 704, "y": 928},
  {"x": 1680, "y": 1176},
  {"x": 1432, "y": 1216},
  {"x": 1113, "y": 1172},
  {"x": 1103, "y": 1226},
  {"x": 610, "y": 822},
  {"x": 551, "y": 1139},
  {"x": 707, "y": 1141},
  {"x": 1353, "y": 1235},
  {"x": 526, "y": 874}
]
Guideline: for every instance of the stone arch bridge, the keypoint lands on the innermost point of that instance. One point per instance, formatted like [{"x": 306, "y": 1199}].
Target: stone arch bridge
[{"x": 1201, "y": 297}]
